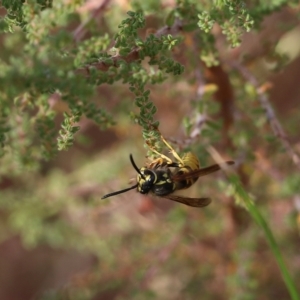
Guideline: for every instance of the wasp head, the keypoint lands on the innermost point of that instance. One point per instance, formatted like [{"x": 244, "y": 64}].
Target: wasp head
[{"x": 146, "y": 179}]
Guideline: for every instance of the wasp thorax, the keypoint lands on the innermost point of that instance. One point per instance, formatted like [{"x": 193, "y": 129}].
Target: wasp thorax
[{"x": 146, "y": 180}]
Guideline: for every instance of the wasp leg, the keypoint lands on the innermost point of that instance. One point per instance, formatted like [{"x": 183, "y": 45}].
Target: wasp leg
[
  {"x": 160, "y": 162},
  {"x": 168, "y": 159},
  {"x": 174, "y": 153},
  {"x": 157, "y": 162}
]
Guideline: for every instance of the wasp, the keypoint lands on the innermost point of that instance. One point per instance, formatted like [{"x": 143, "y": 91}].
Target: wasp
[{"x": 163, "y": 176}]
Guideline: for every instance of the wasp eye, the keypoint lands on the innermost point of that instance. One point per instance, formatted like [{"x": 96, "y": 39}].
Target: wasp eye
[
  {"x": 146, "y": 184},
  {"x": 150, "y": 176}
]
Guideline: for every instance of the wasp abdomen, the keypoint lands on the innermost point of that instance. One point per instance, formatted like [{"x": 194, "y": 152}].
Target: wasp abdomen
[
  {"x": 190, "y": 163},
  {"x": 184, "y": 183}
]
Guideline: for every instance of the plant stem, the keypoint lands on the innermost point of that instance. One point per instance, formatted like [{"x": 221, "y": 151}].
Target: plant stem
[{"x": 242, "y": 194}]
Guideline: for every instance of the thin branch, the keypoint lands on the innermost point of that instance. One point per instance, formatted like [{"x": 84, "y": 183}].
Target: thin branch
[
  {"x": 133, "y": 54},
  {"x": 97, "y": 7},
  {"x": 263, "y": 98}
]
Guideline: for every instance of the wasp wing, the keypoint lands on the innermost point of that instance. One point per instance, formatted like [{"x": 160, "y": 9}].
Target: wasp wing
[
  {"x": 195, "y": 202},
  {"x": 199, "y": 172}
]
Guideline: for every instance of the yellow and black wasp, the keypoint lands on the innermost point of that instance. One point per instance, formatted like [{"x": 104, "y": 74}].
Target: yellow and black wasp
[{"x": 162, "y": 177}]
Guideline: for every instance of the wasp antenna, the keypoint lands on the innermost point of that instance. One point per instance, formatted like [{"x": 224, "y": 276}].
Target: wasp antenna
[
  {"x": 135, "y": 166},
  {"x": 120, "y": 192}
]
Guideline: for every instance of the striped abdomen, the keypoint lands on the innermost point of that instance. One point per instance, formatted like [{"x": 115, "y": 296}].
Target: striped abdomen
[{"x": 190, "y": 164}]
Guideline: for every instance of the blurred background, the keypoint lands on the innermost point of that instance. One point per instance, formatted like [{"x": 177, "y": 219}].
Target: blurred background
[{"x": 59, "y": 240}]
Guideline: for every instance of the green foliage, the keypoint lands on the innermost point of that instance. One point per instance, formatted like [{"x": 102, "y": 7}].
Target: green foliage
[
  {"x": 68, "y": 130},
  {"x": 233, "y": 18},
  {"x": 44, "y": 59},
  {"x": 17, "y": 12},
  {"x": 205, "y": 21},
  {"x": 45, "y": 129}
]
